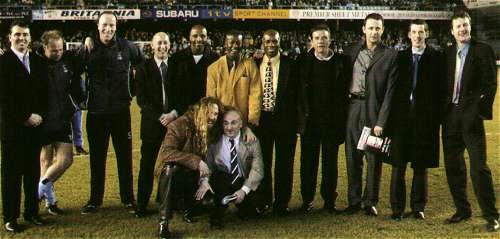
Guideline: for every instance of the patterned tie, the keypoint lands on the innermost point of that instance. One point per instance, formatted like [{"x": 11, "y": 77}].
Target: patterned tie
[
  {"x": 235, "y": 170},
  {"x": 416, "y": 59},
  {"x": 268, "y": 99},
  {"x": 458, "y": 77},
  {"x": 163, "y": 68}
]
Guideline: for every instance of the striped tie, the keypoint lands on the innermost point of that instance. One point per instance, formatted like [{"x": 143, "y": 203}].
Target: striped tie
[{"x": 235, "y": 170}]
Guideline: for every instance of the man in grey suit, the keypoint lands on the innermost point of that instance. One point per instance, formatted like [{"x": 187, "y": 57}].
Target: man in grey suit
[
  {"x": 236, "y": 169},
  {"x": 374, "y": 74}
]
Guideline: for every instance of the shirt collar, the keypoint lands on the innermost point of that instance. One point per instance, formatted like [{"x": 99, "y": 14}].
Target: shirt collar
[
  {"x": 19, "y": 54},
  {"x": 464, "y": 49},
  {"x": 158, "y": 61},
  {"x": 272, "y": 59},
  {"x": 236, "y": 139},
  {"x": 418, "y": 51},
  {"x": 330, "y": 55}
]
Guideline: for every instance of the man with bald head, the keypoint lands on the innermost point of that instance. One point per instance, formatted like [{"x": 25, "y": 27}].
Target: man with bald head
[
  {"x": 108, "y": 65},
  {"x": 153, "y": 97},
  {"x": 189, "y": 70}
]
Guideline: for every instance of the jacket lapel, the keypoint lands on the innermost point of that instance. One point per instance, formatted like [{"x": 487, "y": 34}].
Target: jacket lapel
[
  {"x": 242, "y": 154},
  {"x": 379, "y": 52},
  {"x": 467, "y": 65},
  {"x": 218, "y": 160},
  {"x": 282, "y": 80}
]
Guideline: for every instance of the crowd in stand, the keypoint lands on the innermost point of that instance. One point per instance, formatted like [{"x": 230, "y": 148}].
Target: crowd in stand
[{"x": 317, "y": 4}]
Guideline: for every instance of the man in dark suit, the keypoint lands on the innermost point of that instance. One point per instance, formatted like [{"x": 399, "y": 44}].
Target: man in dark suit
[
  {"x": 374, "y": 71},
  {"x": 23, "y": 98},
  {"x": 470, "y": 91},
  {"x": 415, "y": 120},
  {"x": 188, "y": 71},
  {"x": 277, "y": 125},
  {"x": 321, "y": 122},
  {"x": 153, "y": 97},
  {"x": 236, "y": 169}
]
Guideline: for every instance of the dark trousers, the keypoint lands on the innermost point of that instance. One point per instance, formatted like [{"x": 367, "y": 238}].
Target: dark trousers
[
  {"x": 221, "y": 184},
  {"x": 356, "y": 120},
  {"x": 455, "y": 141},
  {"x": 284, "y": 145},
  {"x": 177, "y": 182},
  {"x": 20, "y": 165},
  {"x": 309, "y": 161},
  {"x": 99, "y": 128},
  {"x": 149, "y": 153},
  {"x": 418, "y": 196}
]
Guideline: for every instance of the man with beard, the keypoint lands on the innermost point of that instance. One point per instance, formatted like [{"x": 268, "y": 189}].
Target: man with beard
[
  {"x": 108, "y": 66},
  {"x": 154, "y": 99},
  {"x": 181, "y": 159},
  {"x": 23, "y": 103},
  {"x": 374, "y": 72},
  {"x": 234, "y": 80},
  {"x": 415, "y": 120},
  {"x": 323, "y": 81},
  {"x": 470, "y": 91},
  {"x": 188, "y": 71},
  {"x": 277, "y": 124},
  {"x": 65, "y": 95}
]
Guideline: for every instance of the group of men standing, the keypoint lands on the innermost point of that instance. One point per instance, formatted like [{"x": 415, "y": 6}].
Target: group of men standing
[{"x": 210, "y": 123}]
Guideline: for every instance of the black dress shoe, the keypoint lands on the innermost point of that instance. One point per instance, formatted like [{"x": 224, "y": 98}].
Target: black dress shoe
[
  {"x": 371, "y": 211},
  {"x": 163, "y": 231},
  {"x": 35, "y": 220},
  {"x": 419, "y": 215},
  {"x": 458, "y": 217},
  {"x": 188, "y": 217},
  {"x": 307, "y": 207},
  {"x": 330, "y": 208},
  {"x": 281, "y": 211},
  {"x": 12, "y": 226},
  {"x": 352, "y": 209},
  {"x": 140, "y": 213},
  {"x": 492, "y": 225},
  {"x": 216, "y": 224},
  {"x": 397, "y": 216}
]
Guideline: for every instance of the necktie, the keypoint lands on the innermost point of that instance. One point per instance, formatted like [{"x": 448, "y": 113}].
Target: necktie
[
  {"x": 458, "y": 77},
  {"x": 26, "y": 62},
  {"x": 416, "y": 59},
  {"x": 163, "y": 69},
  {"x": 235, "y": 171},
  {"x": 268, "y": 99}
]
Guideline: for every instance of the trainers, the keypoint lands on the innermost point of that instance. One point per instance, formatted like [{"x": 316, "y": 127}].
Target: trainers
[
  {"x": 88, "y": 209},
  {"x": 130, "y": 207},
  {"x": 54, "y": 210},
  {"x": 81, "y": 151}
]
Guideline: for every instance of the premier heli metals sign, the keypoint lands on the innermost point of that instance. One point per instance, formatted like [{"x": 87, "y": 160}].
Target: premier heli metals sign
[{"x": 336, "y": 14}]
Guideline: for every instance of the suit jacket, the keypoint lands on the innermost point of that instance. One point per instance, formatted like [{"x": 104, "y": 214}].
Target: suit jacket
[
  {"x": 188, "y": 84},
  {"x": 340, "y": 74},
  {"x": 150, "y": 98},
  {"x": 249, "y": 161},
  {"x": 240, "y": 88},
  {"x": 416, "y": 139},
  {"x": 380, "y": 76},
  {"x": 21, "y": 94},
  {"x": 178, "y": 145},
  {"x": 479, "y": 82},
  {"x": 285, "y": 108}
]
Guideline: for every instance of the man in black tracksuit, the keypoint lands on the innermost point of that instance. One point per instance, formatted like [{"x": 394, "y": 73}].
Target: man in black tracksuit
[{"x": 109, "y": 94}]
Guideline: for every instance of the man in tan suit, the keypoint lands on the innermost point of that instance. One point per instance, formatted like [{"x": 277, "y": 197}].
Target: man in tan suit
[
  {"x": 234, "y": 80},
  {"x": 236, "y": 169}
]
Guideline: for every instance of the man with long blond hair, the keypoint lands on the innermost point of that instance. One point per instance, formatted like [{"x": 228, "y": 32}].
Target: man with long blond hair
[{"x": 181, "y": 164}]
